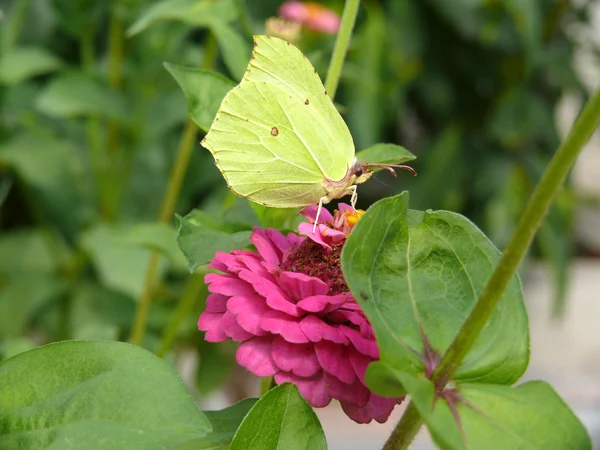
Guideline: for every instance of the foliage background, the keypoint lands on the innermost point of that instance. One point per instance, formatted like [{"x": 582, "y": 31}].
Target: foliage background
[{"x": 91, "y": 122}]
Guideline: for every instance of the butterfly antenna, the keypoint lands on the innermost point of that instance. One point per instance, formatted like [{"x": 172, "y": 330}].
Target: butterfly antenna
[{"x": 391, "y": 167}]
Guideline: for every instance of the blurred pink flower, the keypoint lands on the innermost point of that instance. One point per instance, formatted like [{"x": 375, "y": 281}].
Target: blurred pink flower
[
  {"x": 289, "y": 306},
  {"x": 311, "y": 15}
]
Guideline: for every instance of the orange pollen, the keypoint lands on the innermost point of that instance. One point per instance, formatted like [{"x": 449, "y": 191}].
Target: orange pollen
[{"x": 353, "y": 218}]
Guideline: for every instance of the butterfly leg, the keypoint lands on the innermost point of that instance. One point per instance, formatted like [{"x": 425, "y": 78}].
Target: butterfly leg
[
  {"x": 319, "y": 208},
  {"x": 354, "y": 196}
]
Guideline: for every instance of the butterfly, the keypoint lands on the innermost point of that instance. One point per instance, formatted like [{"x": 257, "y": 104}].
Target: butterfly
[{"x": 278, "y": 139}]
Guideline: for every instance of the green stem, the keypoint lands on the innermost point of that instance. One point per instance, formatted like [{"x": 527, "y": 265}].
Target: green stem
[
  {"x": 93, "y": 130},
  {"x": 115, "y": 79},
  {"x": 341, "y": 47},
  {"x": 11, "y": 28},
  {"x": 530, "y": 221},
  {"x": 186, "y": 146},
  {"x": 184, "y": 308},
  {"x": 184, "y": 153},
  {"x": 406, "y": 430}
]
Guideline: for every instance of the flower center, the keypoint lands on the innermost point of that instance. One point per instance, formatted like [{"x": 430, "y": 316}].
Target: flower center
[{"x": 311, "y": 259}]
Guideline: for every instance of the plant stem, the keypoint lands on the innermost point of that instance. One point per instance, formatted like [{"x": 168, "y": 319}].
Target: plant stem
[
  {"x": 188, "y": 300},
  {"x": 406, "y": 430},
  {"x": 115, "y": 79},
  {"x": 341, "y": 47},
  {"x": 186, "y": 145},
  {"x": 11, "y": 28},
  {"x": 184, "y": 153},
  {"x": 530, "y": 221},
  {"x": 93, "y": 131}
]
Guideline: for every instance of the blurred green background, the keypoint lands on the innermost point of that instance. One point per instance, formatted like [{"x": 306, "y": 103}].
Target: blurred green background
[{"x": 91, "y": 124}]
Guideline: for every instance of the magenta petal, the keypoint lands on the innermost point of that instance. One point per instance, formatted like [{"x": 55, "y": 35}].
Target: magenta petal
[
  {"x": 306, "y": 229},
  {"x": 265, "y": 247},
  {"x": 211, "y": 323},
  {"x": 360, "y": 363},
  {"x": 300, "y": 359},
  {"x": 280, "y": 323},
  {"x": 354, "y": 394},
  {"x": 279, "y": 240},
  {"x": 310, "y": 212},
  {"x": 378, "y": 408},
  {"x": 334, "y": 360},
  {"x": 216, "y": 303},
  {"x": 233, "y": 329},
  {"x": 319, "y": 303},
  {"x": 227, "y": 285},
  {"x": 345, "y": 208},
  {"x": 299, "y": 286},
  {"x": 313, "y": 389},
  {"x": 254, "y": 264},
  {"x": 363, "y": 345},
  {"x": 343, "y": 315},
  {"x": 276, "y": 298},
  {"x": 316, "y": 330},
  {"x": 255, "y": 355},
  {"x": 248, "y": 310}
]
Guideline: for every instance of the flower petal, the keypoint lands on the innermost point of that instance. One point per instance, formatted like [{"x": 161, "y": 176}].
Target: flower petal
[
  {"x": 275, "y": 296},
  {"x": 282, "y": 324},
  {"x": 363, "y": 345},
  {"x": 211, "y": 323},
  {"x": 255, "y": 355},
  {"x": 378, "y": 408},
  {"x": 316, "y": 330},
  {"x": 354, "y": 394},
  {"x": 313, "y": 389},
  {"x": 334, "y": 360},
  {"x": 310, "y": 212},
  {"x": 343, "y": 315},
  {"x": 216, "y": 303},
  {"x": 248, "y": 311},
  {"x": 359, "y": 362},
  {"x": 299, "y": 286},
  {"x": 279, "y": 240},
  {"x": 306, "y": 229},
  {"x": 300, "y": 359},
  {"x": 320, "y": 303},
  {"x": 266, "y": 248},
  {"x": 231, "y": 328},
  {"x": 227, "y": 285}
]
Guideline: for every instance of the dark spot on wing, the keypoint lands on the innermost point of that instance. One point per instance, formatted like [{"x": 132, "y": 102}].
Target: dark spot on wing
[
  {"x": 306, "y": 102},
  {"x": 274, "y": 131}
]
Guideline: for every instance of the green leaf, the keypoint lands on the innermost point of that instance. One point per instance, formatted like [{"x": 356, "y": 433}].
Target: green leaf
[
  {"x": 78, "y": 94},
  {"x": 473, "y": 416},
  {"x": 51, "y": 176},
  {"x": 417, "y": 276},
  {"x": 385, "y": 154},
  {"x": 224, "y": 423},
  {"x": 192, "y": 12},
  {"x": 95, "y": 395},
  {"x": 21, "y": 63},
  {"x": 199, "y": 237},
  {"x": 236, "y": 50},
  {"x": 156, "y": 236},
  {"x": 292, "y": 424},
  {"x": 204, "y": 91},
  {"x": 21, "y": 296},
  {"x": 121, "y": 265},
  {"x": 29, "y": 252}
]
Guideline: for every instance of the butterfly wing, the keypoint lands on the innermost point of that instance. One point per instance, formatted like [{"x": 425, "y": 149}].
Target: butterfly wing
[{"x": 277, "y": 135}]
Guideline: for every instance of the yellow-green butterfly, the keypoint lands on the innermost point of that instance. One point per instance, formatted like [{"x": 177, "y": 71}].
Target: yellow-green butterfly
[{"x": 277, "y": 137}]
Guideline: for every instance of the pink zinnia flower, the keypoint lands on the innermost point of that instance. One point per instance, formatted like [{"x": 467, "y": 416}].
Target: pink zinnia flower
[
  {"x": 289, "y": 306},
  {"x": 311, "y": 15}
]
